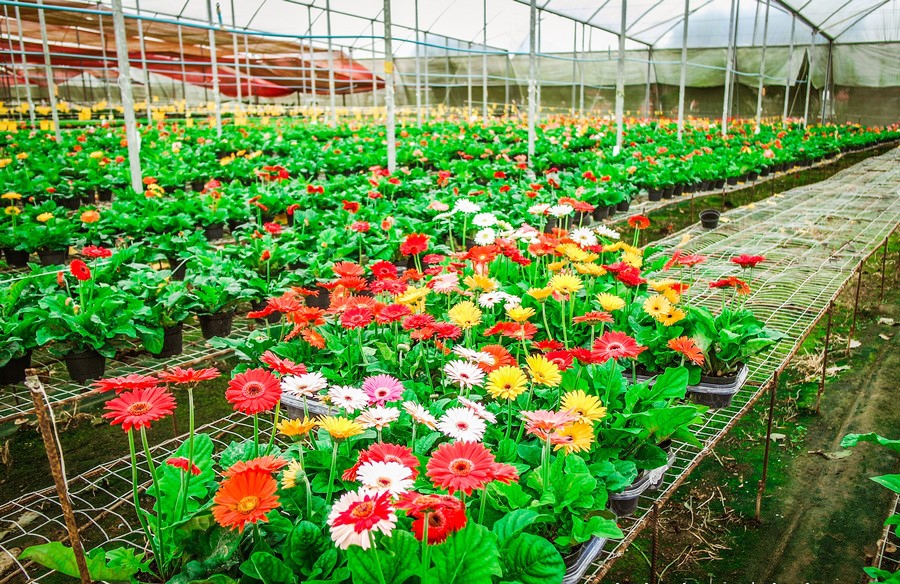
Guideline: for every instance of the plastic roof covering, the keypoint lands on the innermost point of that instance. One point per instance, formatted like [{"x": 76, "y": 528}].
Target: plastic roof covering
[{"x": 455, "y": 23}]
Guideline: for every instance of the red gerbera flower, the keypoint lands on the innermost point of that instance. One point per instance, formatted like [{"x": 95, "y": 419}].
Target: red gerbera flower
[
  {"x": 442, "y": 521},
  {"x": 272, "y": 228},
  {"x": 347, "y": 269},
  {"x": 639, "y": 222},
  {"x": 672, "y": 261},
  {"x": 691, "y": 260},
  {"x": 383, "y": 269},
  {"x": 185, "y": 376},
  {"x": 461, "y": 466},
  {"x": 615, "y": 345},
  {"x": 80, "y": 270},
  {"x": 253, "y": 391},
  {"x": 631, "y": 277},
  {"x": 748, "y": 261},
  {"x": 583, "y": 355},
  {"x": 283, "y": 366},
  {"x": 739, "y": 285},
  {"x": 125, "y": 383},
  {"x": 593, "y": 317},
  {"x": 351, "y": 206},
  {"x": 392, "y": 313},
  {"x": 184, "y": 464},
  {"x": 418, "y": 321},
  {"x": 267, "y": 464},
  {"x": 384, "y": 452},
  {"x": 136, "y": 409},
  {"x": 505, "y": 473},
  {"x": 547, "y": 345},
  {"x": 562, "y": 359},
  {"x": 414, "y": 244},
  {"x": 93, "y": 252},
  {"x": 245, "y": 498},
  {"x": 686, "y": 347},
  {"x": 357, "y": 317}
]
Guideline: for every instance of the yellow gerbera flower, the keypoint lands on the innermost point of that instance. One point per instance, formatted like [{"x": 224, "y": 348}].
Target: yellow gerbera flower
[
  {"x": 479, "y": 282},
  {"x": 576, "y": 437},
  {"x": 589, "y": 269},
  {"x": 572, "y": 252},
  {"x": 465, "y": 315},
  {"x": 520, "y": 313},
  {"x": 631, "y": 249},
  {"x": 588, "y": 408},
  {"x": 340, "y": 428},
  {"x": 413, "y": 295},
  {"x": 44, "y": 217},
  {"x": 671, "y": 316},
  {"x": 671, "y": 295},
  {"x": 610, "y": 302},
  {"x": 22, "y": 155},
  {"x": 506, "y": 382},
  {"x": 543, "y": 371},
  {"x": 540, "y": 294},
  {"x": 618, "y": 246},
  {"x": 661, "y": 285},
  {"x": 632, "y": 259},
  {"x": 293, "y": 474},
  {"x": 565, "y": 283},
  {"x": 657, "y": 306},
  {"x": 10, "y": 196},
  {"x": 296, "y": 427},
  {"x": 556, "y": 266}
]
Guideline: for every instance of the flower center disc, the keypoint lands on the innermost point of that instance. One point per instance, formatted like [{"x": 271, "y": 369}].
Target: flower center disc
[
  {"x": 138, "y": 408},
  {"x": 248, "y": 504},
  {"x": 253, "y": 389},
  {"x": 364, "y": 509},
  {"x": 461, "y": 467}
]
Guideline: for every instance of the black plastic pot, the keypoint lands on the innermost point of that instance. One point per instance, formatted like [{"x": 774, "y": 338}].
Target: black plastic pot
[
  {"x": 716, "y": 392},
  {"x": 765, "y": 171},
  {"x": 679, "y": 189},
  {"x": 14, "y": 370},
  {"x": 15, "y": 258},
  {"x": 53, "y": 257},
  {"x": 178, "y": 267},
  {"x": 272, "y": 318},
  {"x": 581, "y": 218},
  {"x": 709, "y": 218},
  {"x": 323, "y": 300},
  {"x": 85, "y": 365},
  {"x": 173, "y": 341},
  {"x": 214, "y": 232},
  {"x": 732, "y": 180},
  {"x": 623, "y": 206},
  {"x": 720, "y": 183},
  {"x": 668, "y": 192},
  {"x": 601, "y": 212},
  {"x": 654, "y": 194},
  {"x": 610, "y": 210},
  {"x": 752, "y": 176},
  {"x": 216, "y": 325},
  {"x": 71, "y": 203},
  {"x": 197, "y": 185},
  {"x": 104, "y": 194},
  {"x": 625, "y": 503}
]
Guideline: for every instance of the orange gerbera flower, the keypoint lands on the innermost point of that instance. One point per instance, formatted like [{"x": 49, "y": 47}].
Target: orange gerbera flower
[
  {"x": 501, "y": 357},
  {"x": 136, "y": 409},
  {"x": 245, "y": 498},
  {"x": 686, "y": 347}
]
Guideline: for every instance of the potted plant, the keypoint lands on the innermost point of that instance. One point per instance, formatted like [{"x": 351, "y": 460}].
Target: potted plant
[
  {"x": 168, "y": 301},
  {"x": 17, "y": 331},
  {"x": 215, "y": 292}
]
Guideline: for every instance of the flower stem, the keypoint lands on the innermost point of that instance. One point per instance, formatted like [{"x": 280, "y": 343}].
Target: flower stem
[
  {"x": 274, "y": 428},
  {"x": 190, "y": 466},
  {"x": 377, "y": 559},
  {"x": 137, "y": 500},
  {"x": 159, "y": 530},
  {"x": 426, "y": 562},
  {"x": 255, "y": 435},
  {"x": 334, "y": 451}
]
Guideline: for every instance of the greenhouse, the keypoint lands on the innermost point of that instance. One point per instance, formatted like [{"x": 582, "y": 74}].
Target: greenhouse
[{"x": 463, "y": 292}]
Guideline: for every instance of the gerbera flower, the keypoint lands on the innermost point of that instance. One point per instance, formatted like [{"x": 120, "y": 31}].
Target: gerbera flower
[
  {"x": 184, "y": 464},
  {"x": 80, "y": 270},
  {"x": 348, "y": 398},
  {"x": 283, "y": 366},
  {"x": 543, "y": 371},
  {"x": 615, "y": 345},
  {"x": 505, "y": 473},
  {"x": 657, "y": 306},
  {"x": 442, "y": 521},
  {"x": 245, "y": 498},
  {"x": 520, "y": 313},
  {"x": 583, "y": 236},
  {"x": 293, "y": 474},
  {"x": 296, "y": 427},
  {"x": 414, "y": 244},
  {"x": 253, "y": 391},
  {"x": 356, "y": 515},
  {"x": 305, "y": 385},
  {"x": 461, "y": 466},
  {"x": 444, "y": 283},
  {"x": 593, "y": 317},
  {"x": 541, "y": 422},
  {"x": 136, "y": 409},
  {"x": 748, "y": 261},
  {"x": 739, "y": 285},
  {"x": 357, "y": 317},
  {"x": 478, "y": 409},
  {"x": 392, "y": 313},
  {"x": 347, "y": 270},
  {"x": 500, "y": 357},
  {"x": 384, "y": 452},
  {"x": 384, "y": 477},
  {"x": 420, "y": 415},
  {"x": 576, "y": 437},
  {"x": 588, "y": 408},
  {"x": 94, "y": 252},
  {"x": 462, "y": 424},
  {"x": 383, "y": 269},
  {"x": 465, "y": 315},
  {"x": 464, "y": 374},
  {"x": 187, "y": 376},
  {"x": 267, "y": 464},
  {"x": 540, "y": 294},
  {"x": 565, "y": 283},
  {"x": 686, "y": 347},
  {"x": 563, "y": 359},
  {"x": 548, "y": 345},
  {"x": 378, "y": 417},
  {"x": 340, "y": 428},
  {"x": 125, "y": 383},
  {"x": 672, "y": 316},
  {"x": 691, "y": 260},
  {"x": 382, "y": 388},
  {"x": 639, "y": 221},
  {"x": 506, "y": 383}
]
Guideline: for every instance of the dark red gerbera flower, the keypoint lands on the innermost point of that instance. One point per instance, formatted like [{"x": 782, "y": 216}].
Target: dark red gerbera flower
[
  {"x": 443, "y": 521},
  {"x": 80, "y": 270},
  {"x": 748, "y": 261},
  {"x": 414, "y": 244}
]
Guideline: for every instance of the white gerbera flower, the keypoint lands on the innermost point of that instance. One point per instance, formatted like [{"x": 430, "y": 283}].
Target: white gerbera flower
[
  {"x": 583, "y": 236},
  {"x": 491, "y": 299},
  {"x": 419, "y": 414},
  {"x": 485, "y": 236},
  {"x": 305, "y": 385},
  {"x": 478, "y": 409},
  {"x": 464, "y": 374},
  {"x": 378, "y": 417},
  {"x": 462, "y": 424},
  {"x": 484, "y": 220},
  {"x": 538, "y": 209},
  {"x": 473, "y": 356},
  {"x": 511, "y": 301},
  {"x": 344, "y": 533},
  {"x": 561, "y": 210},
  {"x": 604, "y": 231},
  {"x": 348, "y": 398},
  {"x": 466, "y": 206},
  {"x": 384, "y": 477}
]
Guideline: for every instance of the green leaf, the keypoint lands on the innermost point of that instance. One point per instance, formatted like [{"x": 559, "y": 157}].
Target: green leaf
[
  {"x": 398, "y": 560},
  {"x": 469, "y": 556},
  {"x": 532, "y": 560},
  {"x": 268, "y": 569},
  {"x": 513, "y": 524},
  {"x": 118, "y": 565},
  {"x": 891, "y": 481},
  {"x": 851, "y": 440}
]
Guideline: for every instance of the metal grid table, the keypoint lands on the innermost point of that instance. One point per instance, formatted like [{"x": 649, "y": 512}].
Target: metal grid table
[{"x": 888, "y": 557}]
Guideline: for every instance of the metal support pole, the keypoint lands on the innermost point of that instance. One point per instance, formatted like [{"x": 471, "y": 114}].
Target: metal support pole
[
  {"x": 313, "y": 70},
  {"x": 105, "y": 66},
  {"x": 25, "y": 67},
  {"x": 237, "y": 63},
  {"x": 332, "y": 104},
  {"x": 183, "y": 68},
  {"x": 506, "y": 74},
  {"x": 826, "y": 90},
  {"x": 654, "y": 544},
  {"x": 426, "y": 81},
  {"x": 48, "y": 71},
  {"x": 787, "y": 78},
  {"x": 217, "y": 97},
  {"x": 124, "y": 81},
  {"x": 581, "y": 75},
  {"x": 765, "y": 470},
  {"x": 825, "y": 358},
  {"x": 683, "y": 81},
  {"x": 469, "y": 84},
  {"x": 647, "y": 89},
  {"x": 374, "y": 77},
  {"x": 145, "y": 75},
  {"x": 762, "y": 70},
  {"x": 484, "y": 67},
  {"x": 532, "y": 81},
  {"x": 728, "y": 67},
  {"x": 620, "y": 83},
  {"x": 574, "y": 65},
  {"x": 249, "y": 76},
  {"x": 855, "y": 307},
  {"x": 418, "y": 67},
  {"x": 53, "y": 450},
  {"x": 389, "y": 90},
  {"x": 809, "y": 68},
  {"x": 883, "y": 268}
]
